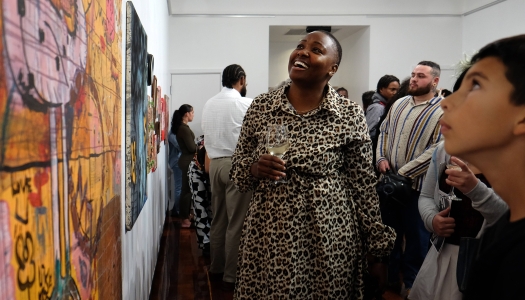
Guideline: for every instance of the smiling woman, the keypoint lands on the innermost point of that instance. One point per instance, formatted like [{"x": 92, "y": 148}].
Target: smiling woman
[
  {"x": 311, "y": 65},
  {"x": 306, "y": 238}
]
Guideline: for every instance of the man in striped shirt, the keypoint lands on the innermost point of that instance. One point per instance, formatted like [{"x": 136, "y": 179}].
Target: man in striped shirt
[{"x": 407, "y": 138}]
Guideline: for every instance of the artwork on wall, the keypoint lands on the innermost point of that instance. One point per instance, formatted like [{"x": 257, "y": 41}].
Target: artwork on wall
[
  {"x": 162, "y": 119},
  {"x": 60, "y": 145},
  {"x": 150, "y": 132},
  {"x": 151, "y": 64},
  {"x": 159, "y": 95},
  {"x": 152, "y": 151},
  {"x": 158, "y": 120},
  {"x": 136, "y": 110},
  {"x": 154, "y": 93},
  {"x": 166, "y": 118}
]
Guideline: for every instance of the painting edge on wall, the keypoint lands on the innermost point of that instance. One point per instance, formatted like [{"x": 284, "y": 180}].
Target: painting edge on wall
[{"x": 136, "y": 110}]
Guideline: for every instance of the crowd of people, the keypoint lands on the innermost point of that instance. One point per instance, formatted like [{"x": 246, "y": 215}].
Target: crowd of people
[{"x": 306, "y": 220}]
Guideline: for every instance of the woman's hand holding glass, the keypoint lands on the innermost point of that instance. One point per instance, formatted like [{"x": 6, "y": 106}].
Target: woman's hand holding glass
[
  {"x": 271, "y": 165},
  {"x": 277, "y": 143},
  {"x": 461, "y": 177}
]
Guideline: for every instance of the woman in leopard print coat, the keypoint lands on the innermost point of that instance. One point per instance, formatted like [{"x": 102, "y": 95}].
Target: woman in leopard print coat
[{"x": 308, "y": 238}]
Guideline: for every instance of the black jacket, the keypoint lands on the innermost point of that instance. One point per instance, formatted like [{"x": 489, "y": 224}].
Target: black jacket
[{"x": 499, "y": 271}]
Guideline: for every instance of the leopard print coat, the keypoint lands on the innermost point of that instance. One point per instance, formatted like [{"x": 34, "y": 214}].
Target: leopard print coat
[{"x": 307, "y": 238}]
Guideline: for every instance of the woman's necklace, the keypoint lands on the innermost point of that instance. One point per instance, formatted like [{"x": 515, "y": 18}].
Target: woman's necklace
[{"x": 302, "y": 112}]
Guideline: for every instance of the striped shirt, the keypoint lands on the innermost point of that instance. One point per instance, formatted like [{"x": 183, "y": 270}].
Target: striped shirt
[{"x": 409, "y": 135}]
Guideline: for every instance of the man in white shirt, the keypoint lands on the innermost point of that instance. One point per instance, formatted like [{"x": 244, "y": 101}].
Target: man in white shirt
[{"x": 221, "y": 123}]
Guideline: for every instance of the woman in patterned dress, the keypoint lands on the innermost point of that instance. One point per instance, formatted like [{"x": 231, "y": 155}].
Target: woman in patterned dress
[{"x": 308, "y": 238}]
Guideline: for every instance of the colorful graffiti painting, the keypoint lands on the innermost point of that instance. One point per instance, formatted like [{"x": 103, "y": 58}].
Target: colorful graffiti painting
[
  {"x": 136, "y": 115},
  {"x": 60, "y": 144}
]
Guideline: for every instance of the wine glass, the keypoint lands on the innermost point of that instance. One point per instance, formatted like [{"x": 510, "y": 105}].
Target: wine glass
[
  {"x": 453, "y": 166},
  {"x": 277, "y": 143}
]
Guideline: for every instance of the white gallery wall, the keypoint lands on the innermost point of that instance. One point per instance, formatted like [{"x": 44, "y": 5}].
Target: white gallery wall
[
  {"x": 495, "y": 22},
  {"x": 327, "y": 7},
  {"x": 279, "y": 54},
  {"x": 140, "y": 246},
  {"x": 356, "y": 63},
  {"x": 396, "y": 44}
]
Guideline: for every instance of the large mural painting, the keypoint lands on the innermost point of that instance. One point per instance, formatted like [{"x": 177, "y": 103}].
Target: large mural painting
[{"x": 60, "y": 145}]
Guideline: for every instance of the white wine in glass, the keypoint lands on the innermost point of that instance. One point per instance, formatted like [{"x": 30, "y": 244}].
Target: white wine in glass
[
  {"x": 453, "y": 166},
  {"x": 279, "y": 150},
  {"x": 277, "y": 142}
]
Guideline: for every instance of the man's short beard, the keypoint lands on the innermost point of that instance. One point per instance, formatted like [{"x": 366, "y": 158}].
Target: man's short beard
[
  {"x": 243, "y": 91},
  {"x": 420, "y": 91}
]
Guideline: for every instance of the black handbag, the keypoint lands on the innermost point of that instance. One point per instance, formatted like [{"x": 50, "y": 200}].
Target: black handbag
[
  {"x": 468, "y": 251},
  {"x": 395, "y": 188}
]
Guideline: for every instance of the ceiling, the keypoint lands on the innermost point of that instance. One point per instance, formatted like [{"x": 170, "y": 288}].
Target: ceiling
[
  {"x": 292, "y": 8},
  {"x": 279, "y": 33},
  {"x": 273, "y": 8}
]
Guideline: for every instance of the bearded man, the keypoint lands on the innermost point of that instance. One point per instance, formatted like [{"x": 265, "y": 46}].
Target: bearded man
[{"x": 407, "y": 139}]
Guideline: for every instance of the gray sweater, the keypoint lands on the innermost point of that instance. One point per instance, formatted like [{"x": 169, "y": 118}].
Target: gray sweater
[
  {"x": 484, "y": 199},
  {"x": 374, "y": 113}
]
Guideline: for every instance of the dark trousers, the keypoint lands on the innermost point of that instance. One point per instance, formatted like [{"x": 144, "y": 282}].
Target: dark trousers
[
  {"x": 407, "y": 222},
  {"x": 185, "y": 193}
]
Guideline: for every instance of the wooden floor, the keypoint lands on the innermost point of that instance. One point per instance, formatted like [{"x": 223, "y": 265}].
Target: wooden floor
[{"x": 181, "y": 271}]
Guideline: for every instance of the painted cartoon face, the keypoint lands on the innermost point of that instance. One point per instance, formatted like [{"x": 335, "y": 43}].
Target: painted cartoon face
[
  {"x": 313, "y": 58},
  {"x": 46, "y": 44},
  {"x": 479, "y": 117}
]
